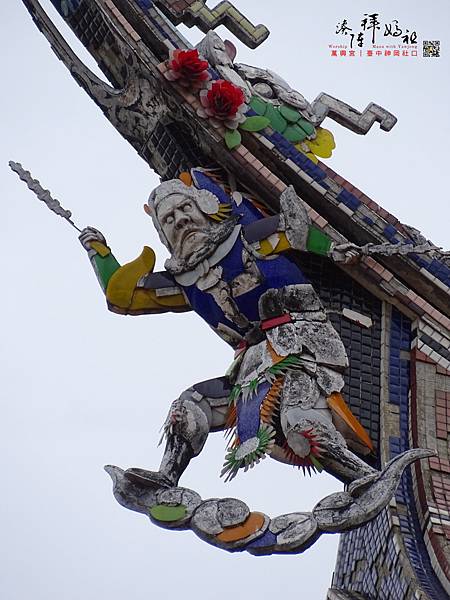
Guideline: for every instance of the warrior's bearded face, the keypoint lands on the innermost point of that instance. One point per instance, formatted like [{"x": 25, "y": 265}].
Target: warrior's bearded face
[
  {"x": 189, "y": 233},
  {"x": 184, "y": 225}
]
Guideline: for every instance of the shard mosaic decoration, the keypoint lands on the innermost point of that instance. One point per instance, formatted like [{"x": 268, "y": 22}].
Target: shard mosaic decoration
[{"x": 229, "y": 523}]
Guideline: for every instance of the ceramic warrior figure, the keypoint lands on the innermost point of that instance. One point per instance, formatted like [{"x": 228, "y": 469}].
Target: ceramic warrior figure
[{"x": 282, "y": 394}]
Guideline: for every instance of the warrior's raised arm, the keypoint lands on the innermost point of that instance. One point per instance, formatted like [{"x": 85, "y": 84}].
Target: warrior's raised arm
[
  {"x": 132, "y": 289},
  {"x": 292, "y": 229},
  {"x": 296, "y": 232}
]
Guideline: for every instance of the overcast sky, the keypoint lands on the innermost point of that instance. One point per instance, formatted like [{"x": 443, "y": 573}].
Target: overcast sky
[{"x": 82, "y": 387}]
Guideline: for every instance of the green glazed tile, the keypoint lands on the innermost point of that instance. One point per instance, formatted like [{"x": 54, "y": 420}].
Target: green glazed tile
[
  {"x": 258, "y": 105},
  {"x": 294, "y": 134},
  {"x": 277, "y": 122},
  {"x": 290, "y": 114},
  {"x": 160, "y": 512},
  {"x": 306, "y": 126}
]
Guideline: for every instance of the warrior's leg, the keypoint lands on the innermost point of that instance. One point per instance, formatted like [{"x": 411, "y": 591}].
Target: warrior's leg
[
  {"x": 308, "y": 427},
  {"x": 341, "y": 462},
  {"x": 199, "y": 410}
]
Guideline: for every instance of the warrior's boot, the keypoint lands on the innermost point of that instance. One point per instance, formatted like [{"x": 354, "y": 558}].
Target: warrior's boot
[
  {"x": 177, "y": 456},
  {"x": 185, "y": 430}
]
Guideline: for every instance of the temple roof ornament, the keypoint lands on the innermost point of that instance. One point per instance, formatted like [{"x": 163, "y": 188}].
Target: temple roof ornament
[
  {"x": 342, "y": 359},
  {"x": 196, "y": 13}
]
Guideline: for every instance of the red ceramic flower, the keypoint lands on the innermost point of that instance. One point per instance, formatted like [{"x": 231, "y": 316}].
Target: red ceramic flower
[
  {"x": 225, "y": 102},
  {"x": 187, "y": 68}
]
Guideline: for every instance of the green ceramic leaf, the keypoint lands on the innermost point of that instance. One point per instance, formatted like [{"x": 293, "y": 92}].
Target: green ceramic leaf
[
  {"x": 290, "y": 114},
  {"x": 233, "y": 138},
  {"x": 255, "y": 123},
  {"x": 168, "y": 514},
  {"x": 316, "y": 463},
  {"x": 306, "y": 126},
  {"x": 253, "y": 384},
  {"x": 294, "y": 134},
  {"x": 258, "y": 105},
  {"x": 236, "y": 390},
  {"x": 277, "y": 122}
]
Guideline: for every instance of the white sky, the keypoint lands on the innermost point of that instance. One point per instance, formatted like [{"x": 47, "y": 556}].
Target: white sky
[{"x": 82, "y": 387}]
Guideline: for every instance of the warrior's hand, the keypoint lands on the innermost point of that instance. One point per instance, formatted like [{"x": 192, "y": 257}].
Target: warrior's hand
[
  {"x": 89, "y": 235},
  {"x": 345, "y": 253}
]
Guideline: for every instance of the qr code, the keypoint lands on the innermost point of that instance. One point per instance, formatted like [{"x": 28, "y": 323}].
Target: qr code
[{"x": 432, "y": 49}]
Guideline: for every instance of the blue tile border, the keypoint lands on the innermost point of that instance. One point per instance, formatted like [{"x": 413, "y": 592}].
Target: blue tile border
[
  {"x": 400, "y": 339},
  {"x": 365, "y": 545}
]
